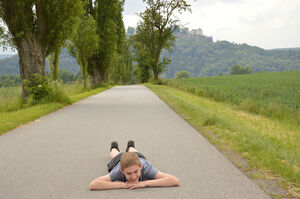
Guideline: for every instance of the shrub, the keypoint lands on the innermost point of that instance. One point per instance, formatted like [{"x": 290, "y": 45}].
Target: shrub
[
  {"x": 38, "y": 88},
  {"x": 160, "y": 82},
  {"x": 40, "y": 91},
  {"x": 182, "y": 74},
  {"x": 236, "y": 70}
]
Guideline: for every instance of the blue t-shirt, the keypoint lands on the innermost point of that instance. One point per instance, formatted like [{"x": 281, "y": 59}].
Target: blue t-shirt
[{"x": 147, "y": 173}]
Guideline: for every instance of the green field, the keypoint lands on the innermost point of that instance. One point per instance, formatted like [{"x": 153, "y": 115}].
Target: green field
[
  {"x": 276, "y": 95},
  {"x": 270, "y": 147}
]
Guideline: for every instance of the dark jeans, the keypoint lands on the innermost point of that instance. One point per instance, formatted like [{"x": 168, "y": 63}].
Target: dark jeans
[{"x": 111, "y": 164}]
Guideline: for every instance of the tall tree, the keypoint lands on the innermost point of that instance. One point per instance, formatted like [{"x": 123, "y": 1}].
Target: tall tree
[
  {"x": 121, "y": 62},
  {"x": 142, "y": 57},
  {"x": 83, "y": 44},
  {"x": 105, "y": 10},
  {"x": 53, "y": 60},
  {"x": 128, "y": 59},
  {"x": 37, "y": 28},
  {"x": 157, "y": 27},
  {"x": 90, "y": 8}
]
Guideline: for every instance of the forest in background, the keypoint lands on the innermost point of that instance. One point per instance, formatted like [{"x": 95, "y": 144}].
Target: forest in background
[{"x": 199, "y": 55}]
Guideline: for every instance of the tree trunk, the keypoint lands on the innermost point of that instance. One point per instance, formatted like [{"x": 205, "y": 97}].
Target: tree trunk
[
  {"x": 55, "y": 64},
  {"x": 96, "y": 77},
  {"x": 157, "y": 55},
  {"x": 84, "y": 70},
  {"x": 85, "y": 79},
  {"x": 154, "y": 67},
  {"x": 94, "y": 71},
  {"x": 155, "y": 74},
  {"x": 104, "y": 76},
  {"x": 31, "y": 60}
]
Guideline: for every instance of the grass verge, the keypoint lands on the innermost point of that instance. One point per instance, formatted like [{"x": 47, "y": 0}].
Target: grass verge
[
  {"x": 12, "y": 119},
  {"x": 269, "y": 146}
]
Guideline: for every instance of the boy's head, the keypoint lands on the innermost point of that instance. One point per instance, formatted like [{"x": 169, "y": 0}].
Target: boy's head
[{"x": 131, "y": 166}]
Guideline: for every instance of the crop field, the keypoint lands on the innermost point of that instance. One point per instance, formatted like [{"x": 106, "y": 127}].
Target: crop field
[{"x": 276, "y": 94}]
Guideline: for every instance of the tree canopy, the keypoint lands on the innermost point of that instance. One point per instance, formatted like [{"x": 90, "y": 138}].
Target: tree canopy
[
  {"x": 37, "y": 28},
  {"x": 237, "y": 70},
  {"x": 83, "y": 44},
  {"x": 108, "y": 62},
  {"x": 155, "y": 30},
  {"x": 182, "y": 74},
  {"x": 26, "y": 19}
]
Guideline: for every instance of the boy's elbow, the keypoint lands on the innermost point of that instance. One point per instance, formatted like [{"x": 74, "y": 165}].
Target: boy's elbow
[{"x": 175, "y": 181}]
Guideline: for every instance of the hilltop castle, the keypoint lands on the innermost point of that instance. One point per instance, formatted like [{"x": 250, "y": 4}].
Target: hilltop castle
[{"x": 196, "y": 31}]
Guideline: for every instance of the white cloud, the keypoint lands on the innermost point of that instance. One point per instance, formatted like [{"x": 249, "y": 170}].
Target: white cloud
[
  {"x": 263, "y": 23},
  {"x": 132, "y": 7},
  {"x": 130, "y": 20}
]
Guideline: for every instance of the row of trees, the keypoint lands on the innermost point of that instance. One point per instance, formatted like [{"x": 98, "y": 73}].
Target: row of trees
[{"x": 92, "y": 30}]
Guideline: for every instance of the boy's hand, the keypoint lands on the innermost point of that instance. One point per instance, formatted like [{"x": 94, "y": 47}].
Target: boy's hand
[{"x": 139, "y": 184}]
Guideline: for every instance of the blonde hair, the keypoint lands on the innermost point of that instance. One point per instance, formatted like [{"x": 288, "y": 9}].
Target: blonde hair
[{"x": 129, "y": 159}]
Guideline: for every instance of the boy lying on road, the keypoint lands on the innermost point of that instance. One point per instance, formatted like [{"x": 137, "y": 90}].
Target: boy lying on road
[{"x": 131, "y": 170}]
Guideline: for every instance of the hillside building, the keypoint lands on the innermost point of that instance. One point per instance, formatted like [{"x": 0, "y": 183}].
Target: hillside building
[{"x": 196, "y": 31}]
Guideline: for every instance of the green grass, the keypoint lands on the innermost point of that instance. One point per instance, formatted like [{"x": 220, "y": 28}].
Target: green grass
[
  {"x": 13, "y": 119},
  {"x": 276, "y": 94},
  {"x": 267, "y": 144},
  {"x": 10, "y": 98},
  {"x": 13, "y": 113}
]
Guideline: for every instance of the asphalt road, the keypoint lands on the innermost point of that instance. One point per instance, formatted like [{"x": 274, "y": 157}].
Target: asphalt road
[{"x": 58, "y": 155}]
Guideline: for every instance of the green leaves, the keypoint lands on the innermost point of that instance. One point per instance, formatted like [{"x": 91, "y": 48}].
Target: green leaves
[
  {"x": 236, "y": 70},
  {"x": 60, "y": 21},
  {"x": 155, "y": 31},
  {"x": 38, "y": 88},
  {"x": 182, "y": 74},
  {"x": 84, "y": 43},
  {"x": 51, "y": 21}
]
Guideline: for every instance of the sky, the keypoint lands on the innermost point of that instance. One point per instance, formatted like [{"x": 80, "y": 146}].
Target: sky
[
  {"x": 264, "y": 23},
  {"x": 267, "y": 24}
]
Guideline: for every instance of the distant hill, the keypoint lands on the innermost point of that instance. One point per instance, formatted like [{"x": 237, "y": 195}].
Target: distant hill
[
  {"x": 201, "y": 56},
  {"x": 10, "y": 65},
  {"x": 285, "y": 49}
]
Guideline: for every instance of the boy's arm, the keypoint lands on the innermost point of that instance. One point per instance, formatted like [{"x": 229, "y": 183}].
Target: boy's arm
[
  {"x": 104, "y": 182},
  {"x": 161, "y": 180}
]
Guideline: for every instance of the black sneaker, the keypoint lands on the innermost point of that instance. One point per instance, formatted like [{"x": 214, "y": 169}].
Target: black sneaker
[
  {"x": 114, "y": 145},
  {"x": 130, "y": 144}
]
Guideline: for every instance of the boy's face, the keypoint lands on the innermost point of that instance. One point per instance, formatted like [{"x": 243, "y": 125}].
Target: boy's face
[{"x": 132, "y": 173}]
